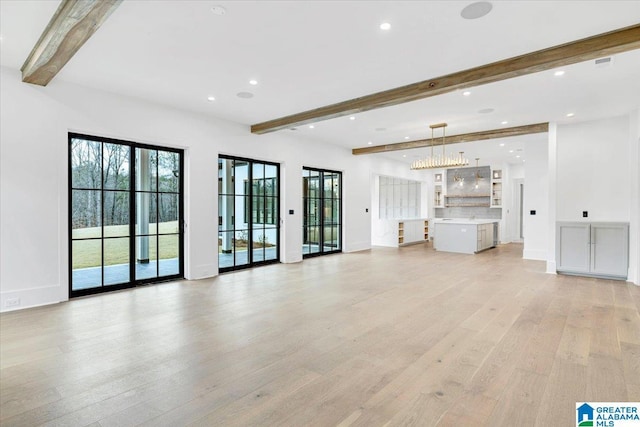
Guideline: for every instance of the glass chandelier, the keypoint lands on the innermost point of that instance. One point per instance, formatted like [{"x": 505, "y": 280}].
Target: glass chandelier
[{"x": 442, "y": 160}]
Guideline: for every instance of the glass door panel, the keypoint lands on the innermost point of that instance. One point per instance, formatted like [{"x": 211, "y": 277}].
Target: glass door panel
[
  {"x": 116, "y": 261},
  {"x": 119, "y": 190},
  {"x": 322, "y": 195},
  {"x": 147, "y": 267},
  {"x": 168, "y": 254},
  {"x": 248, "y": 204},
  {"x": 86, "y": 261}
]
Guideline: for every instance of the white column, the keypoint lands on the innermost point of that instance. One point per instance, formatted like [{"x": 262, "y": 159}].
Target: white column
[
  {"x": 553, "y": 172},
  {"x": 634, "y": 223}
]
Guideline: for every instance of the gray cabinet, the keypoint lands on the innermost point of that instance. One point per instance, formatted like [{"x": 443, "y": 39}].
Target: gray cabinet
[
  {"x": 486, "y": 236},
  {"x": 598, "y": 249}
]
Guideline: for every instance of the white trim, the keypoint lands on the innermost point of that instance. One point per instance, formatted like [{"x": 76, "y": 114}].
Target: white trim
[{"x": 31, "y": 297}]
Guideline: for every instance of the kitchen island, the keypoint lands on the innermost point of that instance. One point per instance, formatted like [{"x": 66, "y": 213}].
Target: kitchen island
[{"x": 467, "y": 236}]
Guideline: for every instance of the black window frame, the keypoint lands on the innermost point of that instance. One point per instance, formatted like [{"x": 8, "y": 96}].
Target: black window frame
[
  {"x": 319, "y": 199},
  {"x": 249, "y": 208},
  {"x": 133, "y": 282}
]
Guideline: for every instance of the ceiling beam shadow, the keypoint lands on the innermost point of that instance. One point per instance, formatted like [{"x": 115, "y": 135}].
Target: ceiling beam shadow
[
  {"x": 71, "y": 26},
  {"x": 621, "y": 40},
  {"x": 455, "y": 139}
]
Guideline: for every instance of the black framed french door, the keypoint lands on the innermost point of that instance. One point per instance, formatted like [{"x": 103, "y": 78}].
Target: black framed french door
[
  {"x": 125, "y": 214},
  {"x": 322, "y": 216},
  {"x": 248, "y": 213}
]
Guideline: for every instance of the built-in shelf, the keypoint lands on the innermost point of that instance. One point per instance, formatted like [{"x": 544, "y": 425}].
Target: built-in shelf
[
  {"x": 426, "y": 230},
  {"x": 467, "y": 201},
  {"x": 496, "y": 189},
  {"x": 400, "y": 233},
  {"x": 437, "y": 202}
]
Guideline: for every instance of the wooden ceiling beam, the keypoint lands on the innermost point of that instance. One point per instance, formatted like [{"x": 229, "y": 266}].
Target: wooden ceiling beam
[
  {"x": 610, "y": 43},
  {"x": 71, "y": 26},
  {"x": 455, "y": 139}
]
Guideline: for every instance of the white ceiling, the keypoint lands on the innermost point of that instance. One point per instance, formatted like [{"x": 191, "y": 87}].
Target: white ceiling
[{"x": 307, "y": 54}]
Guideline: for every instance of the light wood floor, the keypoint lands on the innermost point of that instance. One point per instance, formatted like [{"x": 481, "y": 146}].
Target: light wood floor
[{"x": 384, "y": 337}]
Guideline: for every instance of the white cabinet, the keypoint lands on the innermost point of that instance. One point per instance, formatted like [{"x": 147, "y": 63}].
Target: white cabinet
[
  {"x": 593, "y": 249},
  {"x": 462, "y": 236},
  {"x": 486, "y": 234},
  {"x": 413, "y": 231},
  {"x": 394, "y": 233}
]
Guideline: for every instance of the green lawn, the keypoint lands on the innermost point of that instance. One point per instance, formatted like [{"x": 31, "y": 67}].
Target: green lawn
[{"x": 87, "y": 253}]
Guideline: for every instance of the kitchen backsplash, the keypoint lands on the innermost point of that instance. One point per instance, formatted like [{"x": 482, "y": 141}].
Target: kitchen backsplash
[{"x": 469, "y": 212}]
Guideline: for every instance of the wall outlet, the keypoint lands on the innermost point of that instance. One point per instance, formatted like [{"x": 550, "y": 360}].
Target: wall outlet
[
  {"x": 585, "y": 214},
  {"x": 12, "y": 302}
]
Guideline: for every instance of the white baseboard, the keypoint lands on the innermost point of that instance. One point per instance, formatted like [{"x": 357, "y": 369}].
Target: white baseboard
[
  {"x": 31, "y": 297},
  {"x": 292, "y": 258},
  {"x": 203, "y": 271},
  {"x": 551, "y": 267},
  {"x": 357, "y": 247},
  {"x": 536, "y": 255}
]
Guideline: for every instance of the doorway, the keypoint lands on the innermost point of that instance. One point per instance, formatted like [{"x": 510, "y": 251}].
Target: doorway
[
  {"x": 322, "y": 222},
  {"x": 517, "y": 207},
  {"x": 248, "y": 213},
  {"x": 125, "y": 214}
]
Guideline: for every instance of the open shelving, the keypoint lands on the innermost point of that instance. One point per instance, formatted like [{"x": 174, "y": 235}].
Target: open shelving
[
  {"x": 496, "y": 189},
  {"x": 467, "y": 200}
]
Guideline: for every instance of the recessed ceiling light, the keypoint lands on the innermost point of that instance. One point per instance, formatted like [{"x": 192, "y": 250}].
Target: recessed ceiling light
[
  {"x": 511, "y": 151},
  {"x": 504, "y": 122},
  {"x": 559, "y": 73},
  {"x": 253, "y": 82},
  {"x": 352, "y": 118},
  {"x": 311, "y": 126},
  {"x": 466, "y": 93},
  {"x": 244, "y": 95},
  {"x": 218, "y": 10},
  {"x": 211, "y": 98},
  {"x": 369, "y": 143},
  {"x": 385, "y": 26},
  {"x": 518, "y": 156},
  {"x": 486, "y": 111},
  {"x": 502, "y": 144},
  {"x": 476, "y": 10},
  {"x": 570, "y": 114},
  {"x": 406, "y": 137},
  {"x": 404, "y": 155}
]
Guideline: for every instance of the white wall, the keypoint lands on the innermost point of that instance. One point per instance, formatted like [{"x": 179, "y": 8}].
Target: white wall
[
  {"x": 593, "y": 170},
  {"x": 634, "y": 166},
  {"x": 535, "y": 227},
  {"x": 597, "y": 171},
  {"x": 33, "y": 155}
]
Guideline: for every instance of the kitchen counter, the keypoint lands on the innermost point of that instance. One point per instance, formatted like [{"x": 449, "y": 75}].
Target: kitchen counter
[{"x": 467, "y": 236}]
